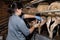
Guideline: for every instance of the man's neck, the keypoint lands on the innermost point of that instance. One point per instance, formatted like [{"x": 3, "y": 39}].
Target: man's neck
[{"x": 16, "y": 13}]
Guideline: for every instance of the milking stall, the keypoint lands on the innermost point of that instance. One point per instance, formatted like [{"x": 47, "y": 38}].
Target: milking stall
[{"x": 41, "y": 23}]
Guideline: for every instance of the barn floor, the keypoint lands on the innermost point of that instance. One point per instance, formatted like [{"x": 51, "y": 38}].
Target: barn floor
[{"x": 57, "y": 37}]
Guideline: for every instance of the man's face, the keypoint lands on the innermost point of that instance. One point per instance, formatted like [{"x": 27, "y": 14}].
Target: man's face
[{"x": 19, "y": 11}]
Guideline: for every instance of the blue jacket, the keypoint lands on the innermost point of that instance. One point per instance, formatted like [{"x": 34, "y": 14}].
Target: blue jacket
[{"x": 17, "y": 29}]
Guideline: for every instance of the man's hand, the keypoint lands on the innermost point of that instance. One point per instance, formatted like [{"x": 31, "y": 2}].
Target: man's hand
[
  {"x": 36, "y": 25},
  {"x": 39, "y": 18}
]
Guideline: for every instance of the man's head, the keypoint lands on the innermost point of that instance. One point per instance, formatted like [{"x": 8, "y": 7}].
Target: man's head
[{"x": 16, "y": 6}]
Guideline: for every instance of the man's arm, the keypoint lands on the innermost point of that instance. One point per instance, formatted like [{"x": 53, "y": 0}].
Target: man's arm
[
  {"x": 23, "y": 28},
  {"x": 32, "y": 16},
  {"x": 29, "y": 16}
]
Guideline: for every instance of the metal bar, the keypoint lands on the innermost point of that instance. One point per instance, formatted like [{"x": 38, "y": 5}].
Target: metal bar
[
  {"x": 47, "y": 11},
  {"x": 37, "y": 1},
  {"x": 34, "y": 2}
]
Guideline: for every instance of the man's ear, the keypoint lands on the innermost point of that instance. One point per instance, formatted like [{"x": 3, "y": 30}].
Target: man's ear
[{"x": 17, "y": 10}]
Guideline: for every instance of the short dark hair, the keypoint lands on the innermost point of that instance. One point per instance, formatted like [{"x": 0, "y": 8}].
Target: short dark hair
[{"x": 15, "y": 5}]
